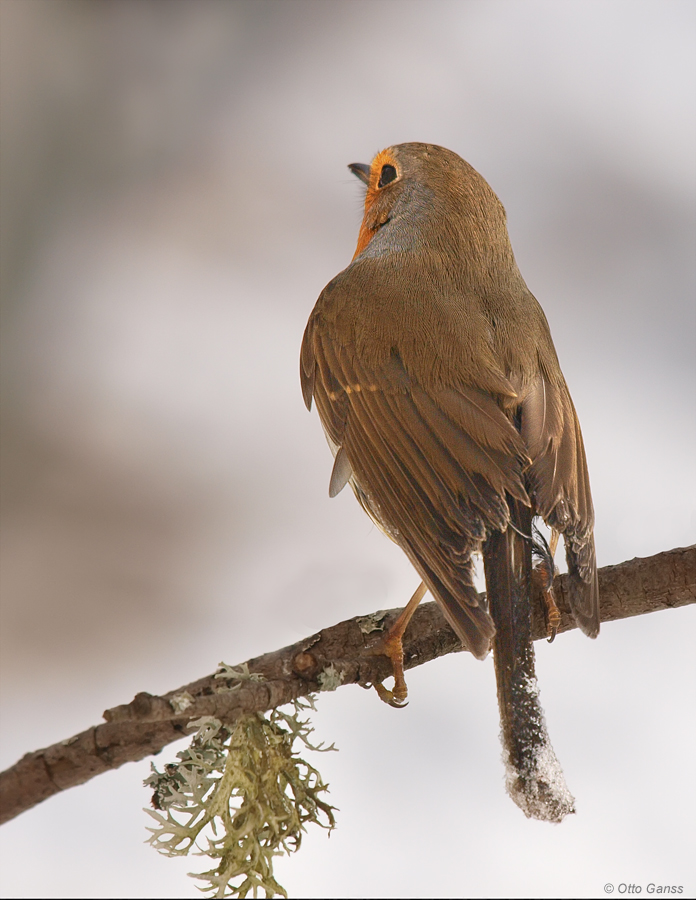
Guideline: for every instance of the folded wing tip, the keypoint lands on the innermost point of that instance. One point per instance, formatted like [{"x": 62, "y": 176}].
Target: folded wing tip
[{"x": 340, "y": 474}]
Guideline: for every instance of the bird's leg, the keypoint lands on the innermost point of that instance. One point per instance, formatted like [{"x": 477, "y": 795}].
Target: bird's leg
[
  {"x": 391, "y": 645},
  {"x": 547, "y": 570}
]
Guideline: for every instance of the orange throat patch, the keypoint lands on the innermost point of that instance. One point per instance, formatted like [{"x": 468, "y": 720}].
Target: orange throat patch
[{"x": 369, "y": 227}]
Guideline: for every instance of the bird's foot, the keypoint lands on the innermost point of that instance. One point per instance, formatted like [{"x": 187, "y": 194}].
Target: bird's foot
[
  {"x": 543, "y": 574},
  {"x": 390, "y": 645},
  {"x": 553, "y": 615}
]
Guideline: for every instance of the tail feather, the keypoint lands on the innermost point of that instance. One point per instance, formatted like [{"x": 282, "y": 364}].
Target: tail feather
[{"x": 534, "y": 777}]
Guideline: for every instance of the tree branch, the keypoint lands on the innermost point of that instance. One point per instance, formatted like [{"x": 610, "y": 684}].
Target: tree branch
[{"x": 341, "y": 654}]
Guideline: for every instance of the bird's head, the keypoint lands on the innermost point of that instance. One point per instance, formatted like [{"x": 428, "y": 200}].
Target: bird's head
[{"x": 424, "y": 197}]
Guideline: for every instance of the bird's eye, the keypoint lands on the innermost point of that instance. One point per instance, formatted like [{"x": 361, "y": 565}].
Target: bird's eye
[{"x": 386, "y": 176}]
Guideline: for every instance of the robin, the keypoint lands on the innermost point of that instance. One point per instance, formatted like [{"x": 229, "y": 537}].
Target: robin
[{"x": 439, "y": 389}]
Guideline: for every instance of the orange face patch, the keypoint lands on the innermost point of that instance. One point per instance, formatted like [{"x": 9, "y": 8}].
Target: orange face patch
[{"x": 367, "y": 232}]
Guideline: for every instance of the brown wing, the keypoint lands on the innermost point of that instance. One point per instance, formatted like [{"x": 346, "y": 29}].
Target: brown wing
[
  {"x": 560, "y": 487},
  {"x": 432, "y": 469}
]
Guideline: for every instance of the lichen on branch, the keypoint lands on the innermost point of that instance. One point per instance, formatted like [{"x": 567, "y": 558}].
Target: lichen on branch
[{"x": 240, "y": 795}]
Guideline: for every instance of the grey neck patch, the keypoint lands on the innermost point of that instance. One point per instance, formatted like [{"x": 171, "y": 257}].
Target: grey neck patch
[{"x": 402, "y": 231}]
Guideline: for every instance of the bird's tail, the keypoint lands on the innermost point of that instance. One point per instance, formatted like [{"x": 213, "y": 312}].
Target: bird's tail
[{"x": 534, "y": 777}]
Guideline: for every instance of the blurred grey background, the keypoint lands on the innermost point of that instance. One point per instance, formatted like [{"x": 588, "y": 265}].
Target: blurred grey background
[{"x": 174, "y": 198}]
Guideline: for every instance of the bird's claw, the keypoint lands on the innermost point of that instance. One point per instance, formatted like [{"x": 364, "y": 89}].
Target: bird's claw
[
  {"x": 394, "y": 698},
  {"x": 553, "y": 616}
]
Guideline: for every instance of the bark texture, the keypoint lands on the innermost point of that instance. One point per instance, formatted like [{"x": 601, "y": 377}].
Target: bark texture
[{"x": 340, "y": 654}]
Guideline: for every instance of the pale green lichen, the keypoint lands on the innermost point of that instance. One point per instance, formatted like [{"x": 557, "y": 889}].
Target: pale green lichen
[
  {"x": 373, "y": 622},
  {"x": 181, "y": 702},
  {"x": 330, "y": 678},
  {"x": 246, "y": 793},
  {"x": 239, "y": 674}
]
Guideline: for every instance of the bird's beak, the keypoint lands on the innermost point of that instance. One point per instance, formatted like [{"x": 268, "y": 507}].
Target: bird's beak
[{"x": 361, "y": 170}]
